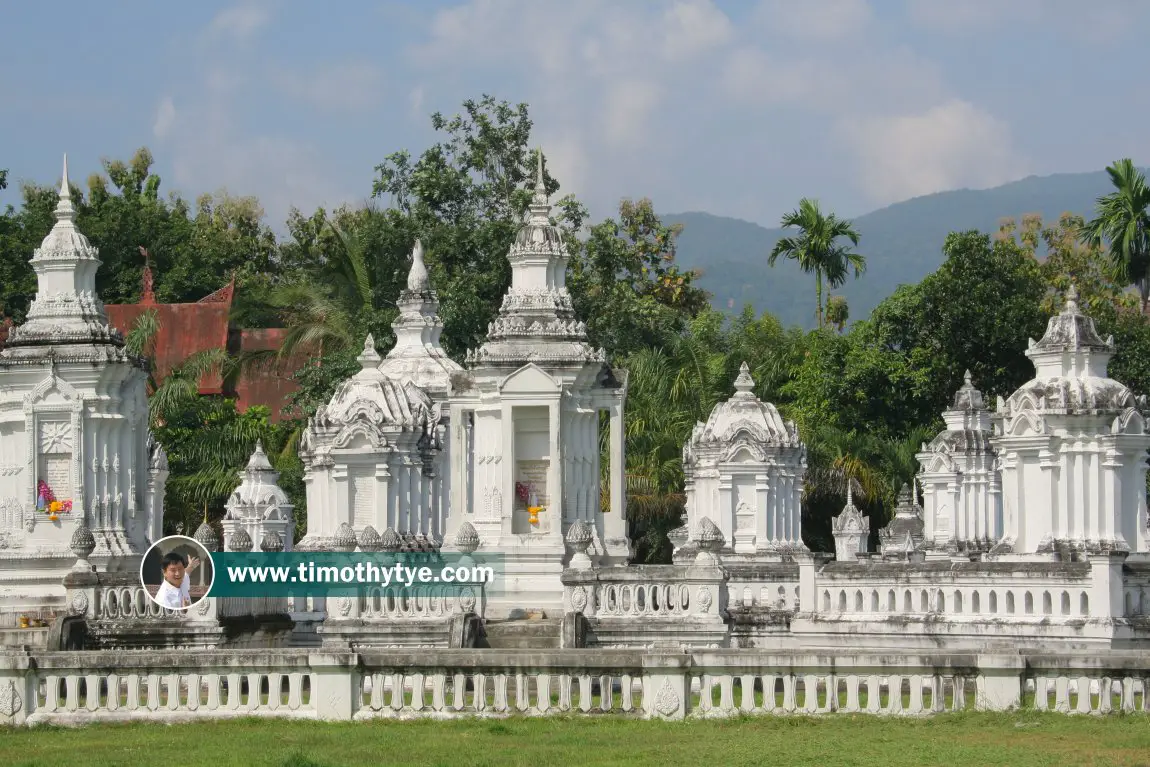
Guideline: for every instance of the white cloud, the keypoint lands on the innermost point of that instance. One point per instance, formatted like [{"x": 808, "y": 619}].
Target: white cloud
[
  {"x": 210, "y": 148},
  {"x": 816, "y": 20},
  {"x": 691, "y": 28},
  {"x": 165, "y": 118},
  {"x": 952, "y": 145},
  {"x": 348, "y": 87},
  {"x": 239, "y": 22}
]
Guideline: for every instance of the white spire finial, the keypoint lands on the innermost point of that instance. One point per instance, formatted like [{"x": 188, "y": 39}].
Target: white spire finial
[
  {"x": 967, "y": 378},
  {"x": 370, "y": 358},
  {"x": 417, "y": 279},
  {"x": 539, "y": 203},
  {"x": 744, "y": 383},
  {"x": 65, "y": 211},
  {"x": 1072, "y": 298},
  {"x": 65, "y": 190},
  {"x": 850, "y": 492}
]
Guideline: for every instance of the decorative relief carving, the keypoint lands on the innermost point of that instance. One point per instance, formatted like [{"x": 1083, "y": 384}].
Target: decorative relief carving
[
  {"x": 343, "y": 606},
  {"x": 579, "y": 599},
  {"x": 79, "y": 604},
  {"x": 11, "y": 514},
  {"x": 667, "y": 700},
  {"x": 704, "y": 599}
]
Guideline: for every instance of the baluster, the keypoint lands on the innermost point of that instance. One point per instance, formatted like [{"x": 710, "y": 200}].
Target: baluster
[
  {"x": 235, "y": 692},
  {"x": 397, "y": 691},
  {"x": 873, "y": 694},
  {"x": 112, "y": 702},
  {"x": 501, "y": 704},
  {"x": 92, "y": 692},
  {"x": 438, "y": 683},
  {"x": 275, "y": 691},
  {"x": 788, "y": 693},
  {"x": 375, "y": 698},
  {"x": 1062, "y": 695},
  {"x": 543, "y": 693},
  {"x": 852, "y": 694},
  {"x": 418, "y": 685},
  {"x": 253, "y": 691},
  {"x": 565, "y": 692},
  {"x": 747, "y": 687},
  {"x": 1041, "y": 693},
  {"x": 1128, "y": 694},
  {"x": 625, "y": 684},
  {"x": 585, "y": 693},
  {"x": 770, "y": 701},
  {"x": 606, "y": 693},
  {"x": 1084, "y": 702},
  {"x": 173, "y": 692},
  {"x": 133, "y": 692},
  {"x": 727, "y": 693},
  {"x": 295, "y": 690},
  {"x": 810, "y": 693},
  {"x": 958, "y": 699},
  {"x": 72, "y": 692},
  {"x": 832, "y": 702},
  {"x": 1105, "y": 695},
  {"x": 705, "y": 694},
  {"x": 894, "y": 696},
  {"x": 522, "y": 700},
  {"x": 915, "y": 706},
  {"x": 458, "y": 692},
  {"x": 480, "y": 697}
]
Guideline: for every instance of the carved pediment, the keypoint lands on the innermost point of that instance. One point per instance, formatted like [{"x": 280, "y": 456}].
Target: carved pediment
[
  {"x": 1130, "y": 421},
  {"x": 529, "y": 379},
  {"x": 360, "y": 433},
  {"x": 53, "y": 389},
  {"x": 1025, "y": 423}
]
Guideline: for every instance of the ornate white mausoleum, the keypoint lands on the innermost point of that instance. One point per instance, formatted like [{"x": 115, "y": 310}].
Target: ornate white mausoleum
[
  {"x": 78, "y": 466},
  {"x": 1025, "y": 532}
]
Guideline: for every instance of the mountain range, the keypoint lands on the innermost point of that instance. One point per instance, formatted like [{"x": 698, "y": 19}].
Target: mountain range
[{"x": 902, "y": 244}]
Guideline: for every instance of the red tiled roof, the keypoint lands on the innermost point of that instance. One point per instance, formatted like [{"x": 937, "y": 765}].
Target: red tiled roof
[
  {"x": 185, "y": 329},
  {"x": 268, "y": 382}
]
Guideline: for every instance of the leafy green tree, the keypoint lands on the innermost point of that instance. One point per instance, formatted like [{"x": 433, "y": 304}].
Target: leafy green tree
[
  {"x": 625, "y": 283},
  {"x": 1122, "y": 221},
  {"x": 837, "y": 312},
  {"x": 1066, "y": 258},
  {"x": 817, "y": 250}
]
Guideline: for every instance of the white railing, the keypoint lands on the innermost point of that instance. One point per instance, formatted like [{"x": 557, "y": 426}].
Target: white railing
[
  {"x": 74, "y": 688},
  {"x": 954, "y": 601}
]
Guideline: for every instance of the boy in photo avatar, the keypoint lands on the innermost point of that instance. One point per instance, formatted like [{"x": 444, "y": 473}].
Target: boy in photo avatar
[{"x": 175, "y": 591}]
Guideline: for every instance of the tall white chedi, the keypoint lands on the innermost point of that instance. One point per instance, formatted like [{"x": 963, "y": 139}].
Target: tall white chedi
[
  {"x": 1072, "y": 445},
  {"x": 73, "y": 426},
  {"x": 744, "y": 471},
  {"x": 525, "y": 424},
  {"x": 961, "y": 487}
]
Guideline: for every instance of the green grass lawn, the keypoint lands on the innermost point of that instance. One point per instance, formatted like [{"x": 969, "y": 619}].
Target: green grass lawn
[{"x": 968, "y": 740}]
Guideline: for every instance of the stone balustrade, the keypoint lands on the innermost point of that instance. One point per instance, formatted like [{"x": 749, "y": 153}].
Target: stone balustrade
[
  {"x": 82, "y": 687},
  {"x": 647, "y": 605}
]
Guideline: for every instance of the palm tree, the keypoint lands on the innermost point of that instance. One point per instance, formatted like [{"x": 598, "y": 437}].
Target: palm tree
[
  {"x": 816, "y": 248},
  {"x": 322, "y": 314},
  {"x": 207, "y": 441},
  {"x": 1123, "y": 223}
]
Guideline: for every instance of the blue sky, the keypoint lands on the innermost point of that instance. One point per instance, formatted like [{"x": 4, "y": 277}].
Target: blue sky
[{"x": 735, "y": 108}]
